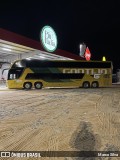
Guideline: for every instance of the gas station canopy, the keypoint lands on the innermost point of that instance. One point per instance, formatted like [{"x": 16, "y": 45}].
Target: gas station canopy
[{"x": 14, "y": 46}]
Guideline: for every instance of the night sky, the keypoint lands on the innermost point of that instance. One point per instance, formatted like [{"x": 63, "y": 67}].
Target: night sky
[{"x": 94, "y": 22}]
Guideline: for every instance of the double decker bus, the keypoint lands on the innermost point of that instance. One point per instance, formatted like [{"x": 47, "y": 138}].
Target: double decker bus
[{"x": 33, "y": 73}]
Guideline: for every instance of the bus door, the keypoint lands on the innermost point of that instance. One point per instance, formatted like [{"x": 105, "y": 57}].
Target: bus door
[{"x": 107, "y": 80}]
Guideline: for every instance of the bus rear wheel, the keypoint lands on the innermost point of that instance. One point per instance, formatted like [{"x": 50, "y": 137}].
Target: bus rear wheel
[
  {"x": 27, "y": 85},
  {"x": 95, "y": 84},
  {"x": 38, "y": 85},
  {"x": 86, "y": 84}
]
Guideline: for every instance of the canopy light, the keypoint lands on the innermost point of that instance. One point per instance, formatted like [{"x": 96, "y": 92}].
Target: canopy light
[{"x": 6, "y": 49}]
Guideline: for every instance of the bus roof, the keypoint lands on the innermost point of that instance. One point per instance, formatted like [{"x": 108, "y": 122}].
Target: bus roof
[{"x": 61, "y": 63}]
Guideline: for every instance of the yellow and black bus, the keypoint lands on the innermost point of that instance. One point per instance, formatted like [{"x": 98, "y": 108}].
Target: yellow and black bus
[{"x": 33, "y": 73}]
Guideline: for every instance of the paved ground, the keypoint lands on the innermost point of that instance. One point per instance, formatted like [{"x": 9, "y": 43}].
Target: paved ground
[{"x": 60, "y": 120}]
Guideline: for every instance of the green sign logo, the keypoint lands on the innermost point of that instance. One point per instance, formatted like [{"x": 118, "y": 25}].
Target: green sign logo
[{"x": 49, "y": 39}]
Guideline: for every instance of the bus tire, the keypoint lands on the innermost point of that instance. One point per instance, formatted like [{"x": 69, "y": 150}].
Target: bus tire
[
  {"x": 95, "y": 84},
  {"x": 86, "y": 84},
  {"x": 27, "y": 85},
  {"x": 38, "y": 85}
]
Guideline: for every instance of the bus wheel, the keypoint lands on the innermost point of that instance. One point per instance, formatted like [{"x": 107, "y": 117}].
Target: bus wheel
[
  {"x": 95, "y": 84},
  {"x": 86, "y": 84},
  {"x": 38, "y": 85},
  {"x": 27, "y": 85}
]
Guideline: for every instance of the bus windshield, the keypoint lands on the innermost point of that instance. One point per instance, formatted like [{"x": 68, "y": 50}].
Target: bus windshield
[{"x": 15, "y": 73}]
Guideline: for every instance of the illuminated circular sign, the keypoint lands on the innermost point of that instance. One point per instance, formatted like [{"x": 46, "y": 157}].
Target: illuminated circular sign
[{"x": 49, "y": 39}]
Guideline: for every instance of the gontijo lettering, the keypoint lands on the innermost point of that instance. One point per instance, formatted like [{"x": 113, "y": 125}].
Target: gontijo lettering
[{"x": 87, "y": 71}]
